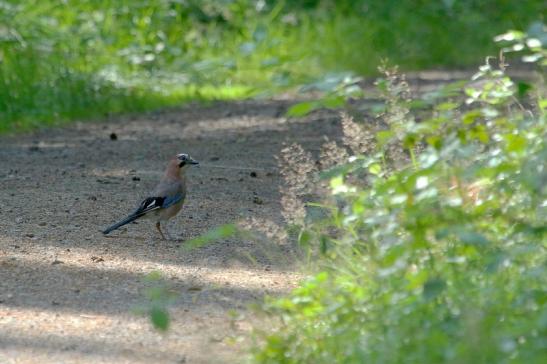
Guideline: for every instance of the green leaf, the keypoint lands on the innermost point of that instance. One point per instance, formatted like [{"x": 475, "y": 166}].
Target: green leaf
[
  {"x": 515, "y": 143},
  {"x": 435, "y": 141},
  {"x": 433, "y": 287},
  {"x": 323, "y": 244},
  {"x": 153, "y": 276},
  {"x": 447, "y": 106},
  {"x": 358, "y": 207},
  {"x": 418, "y": 104},
  {"x": 480, "y": 132},
  {"x": 510, "y": 36},
  {"x": 523, "y": 88},
  {"x": 302, "y": 109},
  {"x": 333, "y": 102},
  {"x": 335, "y": 171},
  {"x": 375, "y": 169},
  {"x": 392, "y": 255},
  {"x": 384, "y": 136},
  {"x": 410, "y": 140},
  {"x": 215, "y": 234},
  {"x": 337, "y": 182},
  {"x": 160, "y": 318},
  {"x": 470, "y": 116},
  {"x": 472, "y": 238},
  {"x": 304, "y": 238},
  {"x": 416, "y": 280}
]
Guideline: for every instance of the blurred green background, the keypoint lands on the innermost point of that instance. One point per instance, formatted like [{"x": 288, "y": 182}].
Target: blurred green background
[{"x": 61, "y": 60}]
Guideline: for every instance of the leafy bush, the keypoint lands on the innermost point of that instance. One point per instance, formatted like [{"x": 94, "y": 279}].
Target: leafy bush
[{"x": 434, "y": 244}]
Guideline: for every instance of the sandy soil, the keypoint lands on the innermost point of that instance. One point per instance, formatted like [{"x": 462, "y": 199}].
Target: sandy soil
[{"x": 67, "y": 293}]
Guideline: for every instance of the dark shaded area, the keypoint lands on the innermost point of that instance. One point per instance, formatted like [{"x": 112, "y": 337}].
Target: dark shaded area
[
  {"x": 90, "y": 347},
  {"x": 92, "y": 289}
]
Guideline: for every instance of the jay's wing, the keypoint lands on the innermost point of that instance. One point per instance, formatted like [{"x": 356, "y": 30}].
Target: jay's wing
[
  {"x": 149, "y": 204},
  {"x": 171, "y": 192},
  {"x": 171, "y": 200},
  {"x": 155, "y": 203}
]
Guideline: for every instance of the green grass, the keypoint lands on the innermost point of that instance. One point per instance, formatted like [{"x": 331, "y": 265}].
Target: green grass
[{"x": 83, "y": 58}]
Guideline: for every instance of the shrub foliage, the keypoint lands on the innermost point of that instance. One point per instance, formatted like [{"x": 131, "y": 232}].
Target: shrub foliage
[{"x": 434, "y": 242}]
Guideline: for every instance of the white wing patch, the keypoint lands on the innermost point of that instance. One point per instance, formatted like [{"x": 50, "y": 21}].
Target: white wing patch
[{"x": 151, "y": 204}]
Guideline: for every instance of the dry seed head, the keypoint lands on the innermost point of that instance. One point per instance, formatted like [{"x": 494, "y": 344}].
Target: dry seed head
[
  {"x": 293, "y": 210},
  {"x": 297, "y": 168},
  {"x": 299, "y": 173},
  {"x": 360, "y": 140},
  {"x": 396, "y": 155},
  {"x": 397, "y": 94},
  {"x": 332, "y": 154},
  {"x": 396, "y": 84}
]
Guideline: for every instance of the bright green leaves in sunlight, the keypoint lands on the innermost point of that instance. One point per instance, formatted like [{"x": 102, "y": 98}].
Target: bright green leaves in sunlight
[
  {"x": 532, "y": 44},
  {"x": 336, "y": 89},
  {"x": 303, "y": 108},
  {"x": 436, "y": 257}
]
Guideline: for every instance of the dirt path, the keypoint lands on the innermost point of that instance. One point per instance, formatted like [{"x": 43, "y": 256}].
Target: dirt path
[{"x": 67, "y": 292}]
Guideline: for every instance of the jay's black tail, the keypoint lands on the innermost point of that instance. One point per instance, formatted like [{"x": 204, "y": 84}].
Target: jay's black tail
[
  {"x": 149, "y": 204},
  {"x": 125, "y": 221}
]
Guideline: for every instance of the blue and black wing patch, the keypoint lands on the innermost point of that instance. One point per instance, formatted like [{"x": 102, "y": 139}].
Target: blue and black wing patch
[
  {"x": 171, "y": 200},
  {"x": 149, "y": 204},
  {"x": 154, "y": 203}
]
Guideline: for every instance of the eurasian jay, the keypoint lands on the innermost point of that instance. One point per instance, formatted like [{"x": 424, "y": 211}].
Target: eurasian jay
[{"x": 166, "y": 199}]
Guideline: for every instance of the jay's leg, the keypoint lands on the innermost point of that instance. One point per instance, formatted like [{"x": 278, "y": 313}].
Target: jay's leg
[
  {"x": 159, "y": 229},
  {"x": 167, "y": 232}
]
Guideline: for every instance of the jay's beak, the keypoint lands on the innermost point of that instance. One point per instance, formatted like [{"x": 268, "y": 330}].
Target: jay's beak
[{"x": 193, "y": 161}]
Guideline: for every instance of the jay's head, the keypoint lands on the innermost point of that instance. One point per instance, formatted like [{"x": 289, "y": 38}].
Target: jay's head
[{"x": 184, "y": 161}]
